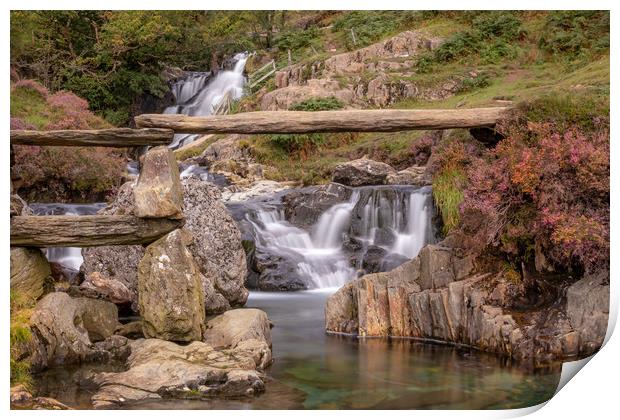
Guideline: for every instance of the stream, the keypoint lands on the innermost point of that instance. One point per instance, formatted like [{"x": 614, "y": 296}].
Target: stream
[{"x": 294, "y": 268}]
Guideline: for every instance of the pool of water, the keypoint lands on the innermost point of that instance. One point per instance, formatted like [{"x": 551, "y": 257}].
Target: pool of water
[{"x": 313, "y": 370}]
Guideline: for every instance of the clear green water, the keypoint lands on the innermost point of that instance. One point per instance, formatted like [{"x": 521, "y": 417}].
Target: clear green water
[{"x": 313, "y": 370}]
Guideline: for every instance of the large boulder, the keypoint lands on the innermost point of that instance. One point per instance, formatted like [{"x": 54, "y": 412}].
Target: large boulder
[
  {"x": 216, "y": 248},
  {"x": 217, "y": 244},
  {"x": 19, "y": 206},
  {"x": 158, "y": 192},
  {"x": 435, "y": 296},
  {"x": 361, "y": 172},
  {"x": 170, "y": 290},
  {"x": 159, "y": 369},
  {"x": 71, "y": 330},
  {"x": 29, "y": 272}
]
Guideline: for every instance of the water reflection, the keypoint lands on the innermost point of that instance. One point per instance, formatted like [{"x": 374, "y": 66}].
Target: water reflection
[{"x": 313, "y": 370}]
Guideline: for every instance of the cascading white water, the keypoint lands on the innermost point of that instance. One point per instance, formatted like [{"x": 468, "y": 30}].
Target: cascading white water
[
  {"x": 199, "y": 94},
  {"x": 69, "y": 257},
  {"x": 410, "y": 241},
  {"x": 397, "y": 220},
  {"x": 319, "y": 256}
]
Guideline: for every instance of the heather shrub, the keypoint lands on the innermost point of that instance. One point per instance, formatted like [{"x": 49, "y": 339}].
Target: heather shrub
[
  {"x": 60, "y": 173},
  {"x": 545, "y": 185}
]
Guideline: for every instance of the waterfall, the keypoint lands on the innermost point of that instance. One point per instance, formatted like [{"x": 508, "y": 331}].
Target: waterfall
[
  {"x": 393, "y": 221},
  {"x": 199, "y": 94},
  {"x": 69, "y": 257}
]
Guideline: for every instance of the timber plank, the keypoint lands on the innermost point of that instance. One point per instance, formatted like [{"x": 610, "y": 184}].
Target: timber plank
[
  {"x": 84, "y": 231},
  {"x": 290, "y": 122},
  {"x": 111, "y": 137}
]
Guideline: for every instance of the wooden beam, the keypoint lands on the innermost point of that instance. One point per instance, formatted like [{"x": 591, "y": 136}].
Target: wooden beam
[
  {"x": 111, "y": 137},
  {"x": 273, "y": 122},
  {"x": 83, "y": 231}
]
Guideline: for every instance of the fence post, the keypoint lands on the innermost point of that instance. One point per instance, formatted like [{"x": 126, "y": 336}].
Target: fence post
[{"x": 353, "y": 36}]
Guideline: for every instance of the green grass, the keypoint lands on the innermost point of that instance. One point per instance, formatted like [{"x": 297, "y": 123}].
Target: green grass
[
  {"x": 448, "y": 194},
  {"x": 20, "y": 336}
]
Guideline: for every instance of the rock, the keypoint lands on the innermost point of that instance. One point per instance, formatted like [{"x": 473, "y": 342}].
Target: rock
[
  {"x": 436, "y": 267},
  {"x": 255, "y": 189},
  {"x": 158, "y": 192},
  {"x": 405, "y": 44},
  {"x": 114, "y": 290},
  {"x": 160, "y": 369},
  {"x": 63, "y": 274},
  {"x": 237, "y": 325},
  {"x": 29, "y": 272},
  {"x": 304, "y": 207},
  {"x": 414, "y": 175},
  {"x": 246, "y": 331},
  {"x": 217, "y": 245},
  {"x": 276, "y": 273},
  {"x": 434, "y": 296},
  {"x": 286, "y": 97},
  {"x": 587, "y": 307},
  {"x": 170, "y": 290},
  {"x": 361, "y": 172},
  {"x": 19, "y": 206},
  {"x": 22, "y": 399},
  {"x": 65, "y": 329},
  {"x": 132, "y": 330}
]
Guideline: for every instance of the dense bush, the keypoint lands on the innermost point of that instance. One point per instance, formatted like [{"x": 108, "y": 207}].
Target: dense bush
[
  {"x": 545, "y": 185},
  {"x": 492, "y": 36},
  {"x": 576, "y": 32},
  {"x": 64, "y": 173},
  {"x": 318, "y": 104}
]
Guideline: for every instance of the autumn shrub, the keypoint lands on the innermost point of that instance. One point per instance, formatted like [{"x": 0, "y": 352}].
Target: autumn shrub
[
  {"x": 60, "y": 173},
  {"x": 545, "y": 185}
]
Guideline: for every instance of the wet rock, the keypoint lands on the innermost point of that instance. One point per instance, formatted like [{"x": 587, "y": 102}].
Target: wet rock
[
  {"x": 158, "y": 192},
  {"x": 372, "y": 260},
  {"x": 22, "y": 399},
  {"x": 161, "y": 369},
  {"x": 63, "y": 274},
  {"x": 276, "y": 273},
  {"x": 170, "y": 290},
  {"x": 113, "y": 290},
  {"x": 255, "y": 189},
  {"x": 29, "y": 271},
  {"x": 360, "y": 172},
  {"x": 587, "y": 307},
  {"x": 304, "y": 207},
  {"x": 65, "y": 328}
]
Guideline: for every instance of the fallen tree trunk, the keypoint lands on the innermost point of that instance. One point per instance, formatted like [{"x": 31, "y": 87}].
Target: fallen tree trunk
[
  {"x": 85, "y": 231},
  {"x": 112, "y": 137},
  {"x": 273, "y": 122}
]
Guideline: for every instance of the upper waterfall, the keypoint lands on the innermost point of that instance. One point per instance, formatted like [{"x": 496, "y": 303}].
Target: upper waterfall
[{"x": 199, "y": 94}]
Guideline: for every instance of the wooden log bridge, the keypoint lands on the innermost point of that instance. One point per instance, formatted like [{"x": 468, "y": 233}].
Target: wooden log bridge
[
  {"x": 96, "y": 230},
  {"x": 295, "y": 122},
  {"x": 112, "y": 137},
  {"x": 158, "y": 198}
]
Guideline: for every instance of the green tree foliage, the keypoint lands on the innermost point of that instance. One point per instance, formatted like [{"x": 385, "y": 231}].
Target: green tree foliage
[{"x": 110, "y": 58}]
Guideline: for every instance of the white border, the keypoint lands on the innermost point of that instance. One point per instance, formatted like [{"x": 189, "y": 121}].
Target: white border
[{"x": 592, "y": 395}]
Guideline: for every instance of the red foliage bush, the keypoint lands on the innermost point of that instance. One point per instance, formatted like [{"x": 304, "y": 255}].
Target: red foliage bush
[
  {"x": 62, "y": 173},
  {"x": 33, "y": 85},
  {"x": 542, "y": 186}
]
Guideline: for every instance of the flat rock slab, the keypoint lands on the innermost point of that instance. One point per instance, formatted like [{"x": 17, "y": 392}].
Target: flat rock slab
[{"x": 161, "y": 369}]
